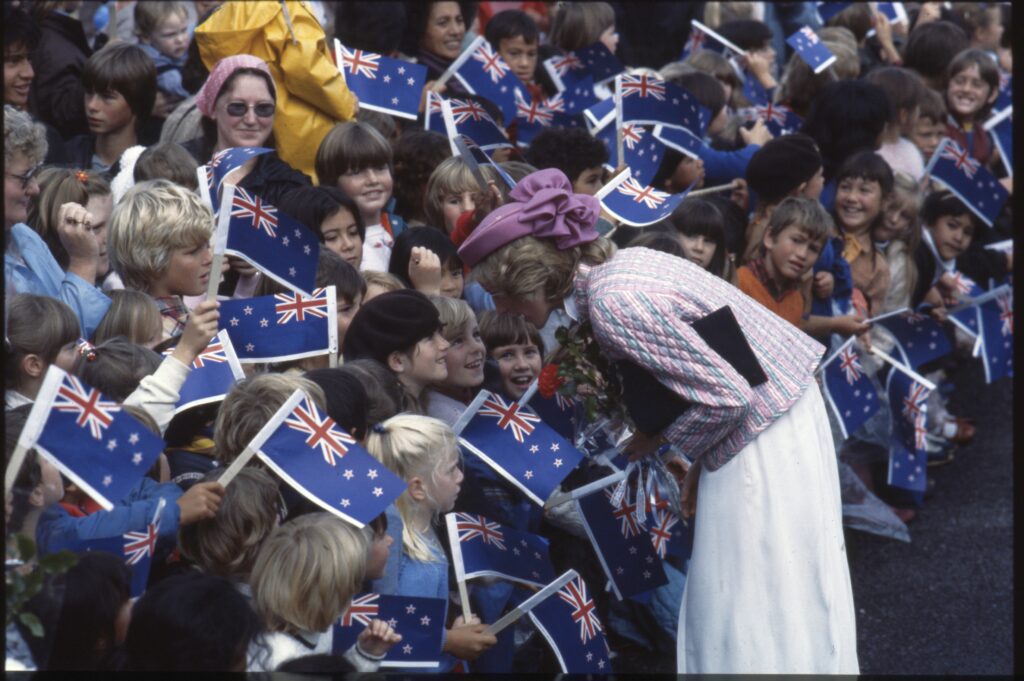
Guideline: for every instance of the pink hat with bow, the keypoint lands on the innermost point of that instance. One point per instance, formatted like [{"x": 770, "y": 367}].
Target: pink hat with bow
[
  {"x": 222, "y": 70},
  {"x": 543, "y": 206}
]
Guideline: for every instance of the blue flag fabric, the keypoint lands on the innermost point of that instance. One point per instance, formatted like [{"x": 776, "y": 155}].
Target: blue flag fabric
[
  {"x": 642, "y": 151},
  {"x": 390, "y": 86},
  {"x": 569, "y": 622},
  {"x": 274, "y": 243},
  {"x": 908, "y": 453},
  {"x": 324, "y": 464},
  {"x": 623, "y": 544},
  {"x": 213, "y": 174},
  {"x": 213, "y": 373},
  {"x": 484, "y": 548},
  {"x": 535, "y": 116},
  {"x": 514, "y": 441},
  {"x": 565, "y": 70},
  {"x": 578, "y": 97},
  {"x": 637, "y": 204},
  {"x": 1004, "y": 99},
  {"x": 669, "y": 535},
  {"x": 419, "y": 620},
  {"x": 484, "y": 73},
  {"x": 683, "y": 141},
  {"x": 778, "y": 118},
  {"x": 955, "y": 169},
  {"x": 996, "y": 321},
  {"x": 755, "y": 93},
  {"x": 703, "y": 38},
  {"x": 811, "y": 49},
  {"x": 560, "y": 412},
  {"x": 89, "y": 438},
  {"x": 1000, "y": 127},
  {"x": 135, "y": 548},
  {"x": 468, "y": 118},
  {"x": 600, "y": 114},
  {"x": 893, "y": 11},
  {"x": 919, "y": 337},
  {"x": 848, "y": 389},
  {"x": 601, "y": 64},
  {"x": 654, "y": 101},
  {"x": 283, "y": 326}
]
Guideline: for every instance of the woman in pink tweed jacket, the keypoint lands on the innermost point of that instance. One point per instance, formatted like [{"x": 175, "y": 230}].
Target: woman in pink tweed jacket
[{"x": 768, "y": 587}]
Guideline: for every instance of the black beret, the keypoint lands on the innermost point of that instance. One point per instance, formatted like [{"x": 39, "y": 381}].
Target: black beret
[
  {"x": 391, "y": 322},
  {"x": 782, "y": 165}
]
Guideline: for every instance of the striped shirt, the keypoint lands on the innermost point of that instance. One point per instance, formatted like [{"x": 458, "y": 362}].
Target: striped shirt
[{"x": 641, "y": 304}]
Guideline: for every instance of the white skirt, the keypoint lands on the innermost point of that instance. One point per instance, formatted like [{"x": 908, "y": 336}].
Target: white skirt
[{"x": 768, "y": 587}]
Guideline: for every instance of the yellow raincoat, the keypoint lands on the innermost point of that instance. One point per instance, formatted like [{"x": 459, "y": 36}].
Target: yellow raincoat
[{"x": 311, "y": 92}]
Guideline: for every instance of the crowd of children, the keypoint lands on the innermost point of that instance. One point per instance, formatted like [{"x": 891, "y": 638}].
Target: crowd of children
[{"x": 108, "y": 261}]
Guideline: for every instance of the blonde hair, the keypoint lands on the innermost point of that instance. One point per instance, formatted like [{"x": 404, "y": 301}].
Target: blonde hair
[
  {"x": 132, "y": 314},
  {"x": 386, "y": 281},
  {"x": 412, "y": 446},
  {"x": 228, "y": 543},
  {"x": 455, "y": 315},
  {"x": 249, "y": 406},
  {"x": 149, "y": 14},
  {"x": 717, "y": 66},
  {"x": 905, "y": 189},
  {"x": 451, "y": 176},
  {"x": 576, "y": 25},
  {"x": 153, "y": 219},
  {"x": 307, "y": 572},
  {"x": 528, "y": 264}
]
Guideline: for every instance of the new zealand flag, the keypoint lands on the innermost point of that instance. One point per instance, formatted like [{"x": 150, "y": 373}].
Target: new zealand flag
[
  {"x": 390, "y": 86},
  {"x": 324, "y": 464},
  {"x": 637, "y": 204},
  {"x": 484, "y": 73},
  {"x": 283, "y": 326},
  {"x": 483, "y": 548},
  {"x": 213, "y": 373},
  {"x": 996, "y": 321},
  {"x": 89, "y": 438},
  {"x": 953, "y": 167},
  {"x": 136, "y": 548},
  {"x": 643, "y": 153},
  {"x": 212, "y": 175},
  {"x": 420, "y": 621},
  {"x": 520, "y": 447},
  {"x": 811, "y": 49},
  {"x": 568, "y": 621},
  {"x": 919, "y": 337},
  {"x": 908, "y": 453},
  {"x": 848, "y": 389}
]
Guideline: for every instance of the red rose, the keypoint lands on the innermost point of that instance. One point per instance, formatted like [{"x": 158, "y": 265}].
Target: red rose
[{"x": 549, "y": 381}]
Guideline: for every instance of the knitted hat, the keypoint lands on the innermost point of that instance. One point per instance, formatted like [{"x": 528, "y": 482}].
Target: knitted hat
[
  {"x": 207, "y": 95},
  {"x": 391, "y": 322},
  {"x": 543, "y": 205},
  {"x": 782, "y": 165}
]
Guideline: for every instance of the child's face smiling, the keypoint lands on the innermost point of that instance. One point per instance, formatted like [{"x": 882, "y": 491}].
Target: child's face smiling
[
  {"x": 520, "y": 55},
  {"x": 466, "y": 359},
  {"x": 370, "y": 188},
  {"x": 445, "y": 30},
  {"x": 519, "y": 364},
  {"x": 858, "y": 203},
  {"x": 952, "y": 235},
  {"x": 968, "y": 93}
]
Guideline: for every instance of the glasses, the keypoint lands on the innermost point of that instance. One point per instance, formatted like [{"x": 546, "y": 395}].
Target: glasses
[
  {"x": 29, "y": 175},
  {"x": 239, "y": 109}
]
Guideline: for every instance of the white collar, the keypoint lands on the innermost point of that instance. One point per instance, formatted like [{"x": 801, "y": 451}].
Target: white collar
[{"x": 569, "y": 303}]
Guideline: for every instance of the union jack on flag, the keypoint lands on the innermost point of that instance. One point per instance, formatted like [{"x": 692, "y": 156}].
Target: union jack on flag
[
  {"x": 810, "y": 35},
  {"x": 322, "y": 432},
  {"x": 963, "y": 161},
  {"x": 914, "y": 401},
  {"x": 139, "y": 545},
  {"x": 649, "y": 196},
  {"x": 470, "y": 527},
  {"x": 643, "y": 86},
  {"x": 295, "y": 306},
  {"x": 92, "y": 410},
  {"x": 509, "y": 415},
  {"x": 359, "y": 62},
  {"x": 776, "y": 113},
  {"x": 214, "y": 353},
  {"x": 1005, "y": 304},
  {"x": 584, "y": 611},
  {"x": 463, "y": 110},
  {"x": 563, "y": 64},
  {"x": 626, "y": 514},
  {"x": 661, "y": 531},
  {"x": 920, "y": 432},
  {"x": 492, "y": 62},
  {"x": 631, "y": 135},
  {"x": 534, "y": 112},
  {"x": 849, "y": 362},
  {"x": 263, "y": 215},
  {"x": 362, "y": 609}
]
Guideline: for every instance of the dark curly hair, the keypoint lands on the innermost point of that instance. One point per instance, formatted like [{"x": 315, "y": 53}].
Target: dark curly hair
[
  {"x": 417, "y": 153},
  {"x": 571, "y": 150}
]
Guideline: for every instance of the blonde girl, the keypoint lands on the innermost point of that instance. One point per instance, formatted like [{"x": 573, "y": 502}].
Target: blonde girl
[
  {"x": 451, "y": 191},
  {"x": 134, "y": 315},
  {"x": 423, "y": 452}
]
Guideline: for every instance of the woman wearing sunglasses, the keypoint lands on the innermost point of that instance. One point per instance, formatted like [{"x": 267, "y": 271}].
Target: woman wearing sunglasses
[{"x": 238, "y": 103}]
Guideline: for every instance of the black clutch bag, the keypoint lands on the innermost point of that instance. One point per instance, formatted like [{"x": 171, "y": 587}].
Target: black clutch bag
[{"x": 653, "y": 407}]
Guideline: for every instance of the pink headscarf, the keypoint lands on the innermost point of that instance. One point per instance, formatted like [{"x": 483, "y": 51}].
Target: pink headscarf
[{"x": 207, "y": 95}]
